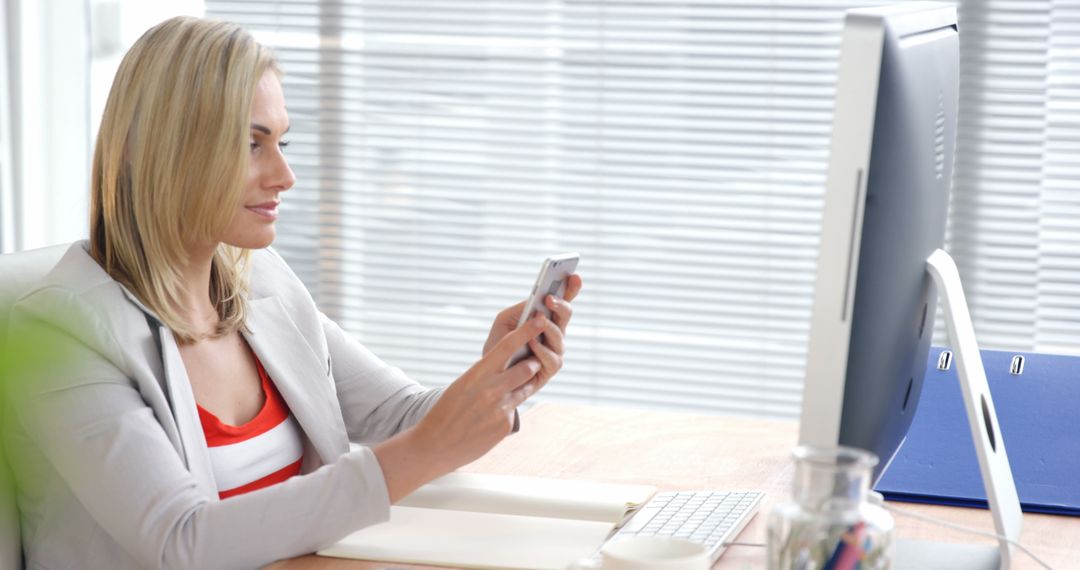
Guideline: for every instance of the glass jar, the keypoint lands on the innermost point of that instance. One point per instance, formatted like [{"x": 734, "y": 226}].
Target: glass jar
[{"x": 829, "y": 524}]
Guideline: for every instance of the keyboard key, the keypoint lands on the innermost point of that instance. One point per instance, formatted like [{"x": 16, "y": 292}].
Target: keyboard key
[{"x": 707, "y": 517}]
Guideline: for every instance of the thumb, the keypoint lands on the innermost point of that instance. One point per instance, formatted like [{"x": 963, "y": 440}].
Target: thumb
[{"x": 509, "y": 344}]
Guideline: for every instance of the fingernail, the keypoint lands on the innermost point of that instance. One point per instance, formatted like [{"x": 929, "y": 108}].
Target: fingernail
[{"x": 538, "y": 322}]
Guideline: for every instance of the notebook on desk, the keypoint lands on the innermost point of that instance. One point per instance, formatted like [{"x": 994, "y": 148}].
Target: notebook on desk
[
  {"x": 493, "y": 521},
  {"x": 529, "y": 523},
  {"x": 1039, "y": 414}
]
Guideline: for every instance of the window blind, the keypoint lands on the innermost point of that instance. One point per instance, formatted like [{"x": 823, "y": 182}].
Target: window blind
[
  {"x": 444, "y": 148},
  {"x": 1058, "y": 312},
  {"x": 994, "y": 221},
  {"x": 1014, "y": 227}
]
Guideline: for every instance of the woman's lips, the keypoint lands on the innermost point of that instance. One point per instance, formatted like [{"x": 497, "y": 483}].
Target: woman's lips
[{"x": 268, "y": 210}]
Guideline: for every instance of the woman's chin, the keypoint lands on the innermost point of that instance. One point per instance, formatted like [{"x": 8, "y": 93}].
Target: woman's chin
[{"x": 253, "y": 240}]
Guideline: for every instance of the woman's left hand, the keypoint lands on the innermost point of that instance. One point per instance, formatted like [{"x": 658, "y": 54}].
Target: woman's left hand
[{"x": 550, "y": 351}]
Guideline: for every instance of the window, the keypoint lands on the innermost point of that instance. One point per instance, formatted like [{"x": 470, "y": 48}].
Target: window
[{"x": 444, "y": 148}]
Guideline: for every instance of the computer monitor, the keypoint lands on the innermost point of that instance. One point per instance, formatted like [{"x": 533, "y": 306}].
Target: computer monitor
[
  {"x": 881, "y": 264},
  {"x": 886, "y": 202}
]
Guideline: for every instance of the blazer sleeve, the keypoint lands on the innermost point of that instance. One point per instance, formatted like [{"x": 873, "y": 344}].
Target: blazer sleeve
[
  {"x": 377, "y": 400},
  {"x": 92, "y": 432}
]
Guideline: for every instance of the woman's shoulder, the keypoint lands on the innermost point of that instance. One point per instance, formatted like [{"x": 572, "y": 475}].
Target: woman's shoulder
[
  {"x": 275, "y": 288},
  {"x": 76, "y": 279},
  {"x": 271, "y": 276},
  {"x": 79, "y": 298}
]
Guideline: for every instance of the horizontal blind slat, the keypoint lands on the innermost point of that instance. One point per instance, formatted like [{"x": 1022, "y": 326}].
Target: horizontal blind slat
[{"x": 441, "y": 144}]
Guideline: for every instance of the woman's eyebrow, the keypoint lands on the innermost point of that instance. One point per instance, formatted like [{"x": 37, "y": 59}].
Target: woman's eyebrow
[{"x": 266, "y": 130}]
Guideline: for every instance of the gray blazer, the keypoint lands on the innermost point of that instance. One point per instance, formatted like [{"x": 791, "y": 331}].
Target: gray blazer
[{"x": 110, "y": 461}]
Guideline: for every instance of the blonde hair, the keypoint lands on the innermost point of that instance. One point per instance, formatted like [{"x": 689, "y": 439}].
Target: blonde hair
[{"x": 170, "y": 163}]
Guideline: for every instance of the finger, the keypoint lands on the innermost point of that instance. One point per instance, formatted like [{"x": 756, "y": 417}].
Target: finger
[
  {"x": 552, "y": 338},
  {"x": 520, "y": 373},
  {"x": 561, "y": 310},
  {"x": 573, "y": 287},
  {"x": 518, "y": 396},
  {"x": 550, "y": 361},
  {"x": 509, "y": 344},
  {"x": 506, "y": 321},
  {"x": 511, "y": 314}
]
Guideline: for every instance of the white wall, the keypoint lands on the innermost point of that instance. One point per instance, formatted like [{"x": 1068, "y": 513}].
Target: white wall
[
  {"x": 51, "y": 120},
  {"x": 117, "y": 24},
  {"x": 67, "y": 54}
]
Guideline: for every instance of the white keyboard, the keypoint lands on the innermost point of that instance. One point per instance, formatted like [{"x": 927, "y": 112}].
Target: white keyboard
[{"x": 712, "y": 518}]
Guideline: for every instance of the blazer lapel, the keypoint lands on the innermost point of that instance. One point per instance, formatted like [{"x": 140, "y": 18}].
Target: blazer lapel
[
  {"x": 186, "y": 415},
  {"x": 299, "y": 375}
]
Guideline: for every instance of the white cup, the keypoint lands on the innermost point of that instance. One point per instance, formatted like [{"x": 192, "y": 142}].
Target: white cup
[{"x": 655, "y": 553}]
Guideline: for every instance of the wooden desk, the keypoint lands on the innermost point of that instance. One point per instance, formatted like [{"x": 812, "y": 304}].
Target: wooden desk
[{"x": 677, "y": 451}]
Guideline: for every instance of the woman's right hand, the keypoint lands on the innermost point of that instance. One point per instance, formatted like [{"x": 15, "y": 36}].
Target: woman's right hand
[{"x": 472, "y": 415}]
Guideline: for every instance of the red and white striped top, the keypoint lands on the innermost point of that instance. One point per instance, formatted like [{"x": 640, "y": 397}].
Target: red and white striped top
[{"x": 264, "y": 451}]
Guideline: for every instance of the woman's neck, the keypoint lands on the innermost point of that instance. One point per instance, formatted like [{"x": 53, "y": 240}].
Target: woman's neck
[{"x": 196, "y": 305}]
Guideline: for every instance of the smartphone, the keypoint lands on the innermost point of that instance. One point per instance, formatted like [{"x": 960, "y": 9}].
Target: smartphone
[{"x": 550, "y": 281}]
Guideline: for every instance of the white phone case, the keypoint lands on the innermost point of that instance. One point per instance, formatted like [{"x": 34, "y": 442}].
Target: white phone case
[{"x": 550, "y": 281}]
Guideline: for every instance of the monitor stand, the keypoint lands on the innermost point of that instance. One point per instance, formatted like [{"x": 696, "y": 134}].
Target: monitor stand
[{"x": 985, "y": 434}]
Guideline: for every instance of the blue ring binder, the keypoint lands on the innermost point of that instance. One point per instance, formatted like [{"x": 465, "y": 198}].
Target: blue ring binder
[{"x": 1039, "y": 414}]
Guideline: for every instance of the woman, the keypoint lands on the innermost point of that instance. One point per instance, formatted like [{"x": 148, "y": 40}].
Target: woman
[{"x": 205, "y": 419}]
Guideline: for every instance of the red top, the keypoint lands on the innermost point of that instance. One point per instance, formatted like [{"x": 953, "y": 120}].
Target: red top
[{"x": 262, "y": 452}]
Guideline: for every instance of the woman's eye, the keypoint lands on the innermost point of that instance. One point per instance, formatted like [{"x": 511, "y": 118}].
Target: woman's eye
[
  {"x": 254, "y": 146},
  {"x": 283, "y": 144}
]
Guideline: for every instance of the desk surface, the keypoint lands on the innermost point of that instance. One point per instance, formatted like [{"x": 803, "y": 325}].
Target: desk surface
[{"x": 676, "y": 451}]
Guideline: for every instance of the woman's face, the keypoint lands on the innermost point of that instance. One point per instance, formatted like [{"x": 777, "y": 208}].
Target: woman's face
[{"x": 252, "y": 226}]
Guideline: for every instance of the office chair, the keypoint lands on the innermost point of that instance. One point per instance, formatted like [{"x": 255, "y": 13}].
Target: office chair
[{"x": 18, "y": 273}]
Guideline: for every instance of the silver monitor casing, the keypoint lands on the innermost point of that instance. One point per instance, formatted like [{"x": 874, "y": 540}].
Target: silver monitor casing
[
  {"x": 886, "y": 202},
  {"x": 890, "y": 170}
]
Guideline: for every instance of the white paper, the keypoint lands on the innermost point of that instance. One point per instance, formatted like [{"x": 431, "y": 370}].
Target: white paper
[
  {"x": 535, "y": 496},
  {"x": 474, "y": 540}
]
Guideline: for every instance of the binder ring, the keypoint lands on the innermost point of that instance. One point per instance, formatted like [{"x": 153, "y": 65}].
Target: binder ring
[
  {"x": 1016, "y": 368},
  {"x": 944, "y": 360}
]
